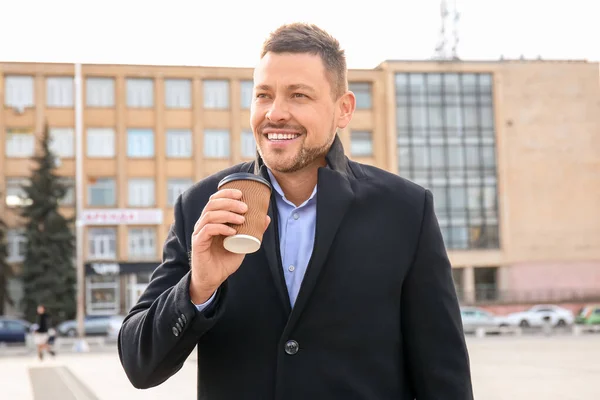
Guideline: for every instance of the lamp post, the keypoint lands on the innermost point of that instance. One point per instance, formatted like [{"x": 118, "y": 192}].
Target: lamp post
[{"x": 81, "y": 344}]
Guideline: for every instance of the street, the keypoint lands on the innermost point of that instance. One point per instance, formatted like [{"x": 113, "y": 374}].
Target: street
[{"x": 560, "y": 367}]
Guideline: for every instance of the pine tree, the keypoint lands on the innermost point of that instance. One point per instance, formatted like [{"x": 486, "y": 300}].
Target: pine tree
[
  {"x": 6, "y": 271},
  {"x": 48, "y": 271}
]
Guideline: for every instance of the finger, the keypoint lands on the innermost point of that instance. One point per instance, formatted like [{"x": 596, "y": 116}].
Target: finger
[
  {"x": 204, "y": 237},
  {"x": 268, "y": 221},
  {"x": 227, "y": 193},
  {"x": 222, "y": 204},
  {"x": 226, "y": 204},
  {"x": 218, "y": 217}
]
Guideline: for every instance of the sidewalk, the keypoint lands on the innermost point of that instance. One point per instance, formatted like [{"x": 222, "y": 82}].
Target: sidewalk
[
  {"x": 98, "y": 373},
  {"x": 515, "y": 368}
]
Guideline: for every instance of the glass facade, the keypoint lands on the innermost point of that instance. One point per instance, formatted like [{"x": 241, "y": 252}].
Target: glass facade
[{"x": 446, "y": 143}]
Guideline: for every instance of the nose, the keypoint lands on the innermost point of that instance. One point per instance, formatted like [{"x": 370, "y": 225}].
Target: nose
[{"x": 278, "y": 111}]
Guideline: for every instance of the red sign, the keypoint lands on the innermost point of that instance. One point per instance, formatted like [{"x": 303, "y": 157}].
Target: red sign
[{"x": 122, "y": 217}]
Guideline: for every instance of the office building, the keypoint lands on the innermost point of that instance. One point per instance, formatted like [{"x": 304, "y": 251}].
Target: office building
[{"x": 509, "y": 150}]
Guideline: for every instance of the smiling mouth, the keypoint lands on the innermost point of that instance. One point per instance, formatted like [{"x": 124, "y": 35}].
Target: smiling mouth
[{"x": 282, "y": 136}]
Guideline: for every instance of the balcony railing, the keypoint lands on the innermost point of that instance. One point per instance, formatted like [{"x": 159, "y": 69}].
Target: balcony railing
[{"x": 490, "y": 295}]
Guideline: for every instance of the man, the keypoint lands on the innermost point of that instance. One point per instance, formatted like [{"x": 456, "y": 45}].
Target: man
[
  {"x": 351, "y": 294},
  {"x": 41, "y": 333}
]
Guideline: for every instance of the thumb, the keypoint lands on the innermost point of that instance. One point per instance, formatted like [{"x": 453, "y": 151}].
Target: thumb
[{"x": 268, "y": 221}]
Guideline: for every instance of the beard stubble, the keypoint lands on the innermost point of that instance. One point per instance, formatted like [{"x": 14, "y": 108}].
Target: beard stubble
[{"x": 305, "y": 156}]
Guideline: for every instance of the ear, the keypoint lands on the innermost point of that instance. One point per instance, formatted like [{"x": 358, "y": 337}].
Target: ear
[{"x": 346, "y": 105}]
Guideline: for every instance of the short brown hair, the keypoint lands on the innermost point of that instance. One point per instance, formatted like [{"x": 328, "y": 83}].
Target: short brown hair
[{"x": 309, "y": 38}]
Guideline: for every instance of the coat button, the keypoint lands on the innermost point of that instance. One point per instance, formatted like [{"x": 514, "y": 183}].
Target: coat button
[
  {"x": 183, "y": 318},
  {"x": 291, "y": 347},
  {"x": 180, "y": 321},
  {"x": 175, "y": 331}
]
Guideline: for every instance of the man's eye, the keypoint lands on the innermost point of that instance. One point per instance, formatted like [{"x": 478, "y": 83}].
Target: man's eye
[{"x": 298, "y": 95}]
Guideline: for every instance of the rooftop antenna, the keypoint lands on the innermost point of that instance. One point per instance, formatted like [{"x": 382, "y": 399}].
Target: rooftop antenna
[{"x": 447, "y": 46}]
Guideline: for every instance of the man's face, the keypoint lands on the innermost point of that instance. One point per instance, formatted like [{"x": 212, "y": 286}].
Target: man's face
[
  {"x": 293, "y": 115},
  {"x": 40, "y": 309}
]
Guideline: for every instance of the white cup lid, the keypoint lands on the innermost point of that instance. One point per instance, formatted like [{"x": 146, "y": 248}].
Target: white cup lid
[{"x": 241, "y": 244}]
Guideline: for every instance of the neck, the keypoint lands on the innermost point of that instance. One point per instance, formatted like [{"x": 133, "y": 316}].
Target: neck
[{"x": 298, "y": 186}]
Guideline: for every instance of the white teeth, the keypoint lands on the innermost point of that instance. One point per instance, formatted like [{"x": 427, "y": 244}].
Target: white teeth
[{"x": 282, "y": 136}]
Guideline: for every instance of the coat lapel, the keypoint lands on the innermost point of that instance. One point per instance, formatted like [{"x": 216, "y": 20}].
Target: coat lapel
[
  {"x": 334, "y": 198},
  {"x": 271, "y": 249},
  {"x": 270, "y": 245}
]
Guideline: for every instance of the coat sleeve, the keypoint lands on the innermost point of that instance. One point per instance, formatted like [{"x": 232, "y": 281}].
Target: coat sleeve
[
  {"x": 163, "y": 328},
  {"x": 437, "y": 360}
]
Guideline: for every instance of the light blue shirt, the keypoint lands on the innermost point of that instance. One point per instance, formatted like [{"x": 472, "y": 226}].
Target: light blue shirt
[{"x": 296, "y": 239}]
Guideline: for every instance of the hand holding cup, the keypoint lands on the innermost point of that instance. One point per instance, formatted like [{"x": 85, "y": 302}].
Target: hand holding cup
[{"x": 231, "y": 225}]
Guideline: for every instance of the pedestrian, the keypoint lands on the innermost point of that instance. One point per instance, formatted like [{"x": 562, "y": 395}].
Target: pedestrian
[
  {"x": 350, "y": 295},
  {"x": 40, "y": 335}
]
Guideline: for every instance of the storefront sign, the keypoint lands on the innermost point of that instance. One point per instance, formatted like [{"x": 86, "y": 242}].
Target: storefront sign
[
  {"x": 121, "y": 268},
  {"x": 123, "y": 217},
  {"x": 106, "y": 268}
]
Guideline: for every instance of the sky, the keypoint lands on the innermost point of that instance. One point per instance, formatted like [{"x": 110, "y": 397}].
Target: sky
[{"x": 230, "y": 33}]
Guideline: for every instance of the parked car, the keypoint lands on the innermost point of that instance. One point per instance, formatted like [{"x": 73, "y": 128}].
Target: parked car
[
  {"x": 13, "y": 330},
  {"x": 475, "y": 317},
  {"x": 541, "y": 314},
  {"x": 94, "y": 325},
  {"x": 589, "y": 315}
]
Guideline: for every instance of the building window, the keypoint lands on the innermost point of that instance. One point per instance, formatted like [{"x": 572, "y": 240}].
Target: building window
[
  {"x": 101, "y": 192},
  {"x": 141, "y": 192},
  {"x": 101, "y": 142},
  {"x": 446, "y": 143},
  {"x": 100, "y": 92},
  {"x": 361, "y": 144},
  {"x": 486, "y": 284},
  {"x": 16, "y": 245},
  {"x": 216, "y": 94},
  {"x": 142, "y": 243},
  {"x": 216, "y": 143},
  {"x": 179, "y": 143},
  {"x": 69, "y": 197},
  {"x": 62, "y": 142},
  {"x": 102, "y": 243},
  {"x": 102, "y": 294},
  {"x": 178, "y": 93},
  {"x": 18, "y": 91},
  {"x": 363, "y": 93},
  {"x": 140, "y": 93},
  {"x": 246, "y": 88},
  {"x": 20, "y": 143},
  {"x": 176, "y": 186},
  {"x": 15, "y": 192},
  {"x": 248, "y": 144},
  {"x": 59, "y": 91},
  {"x": 136, "y": 285},
  {"x": 140, "y": 143}
]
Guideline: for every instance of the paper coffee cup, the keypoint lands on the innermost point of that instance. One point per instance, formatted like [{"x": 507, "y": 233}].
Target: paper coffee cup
[{"x": 256, "y": 193}]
